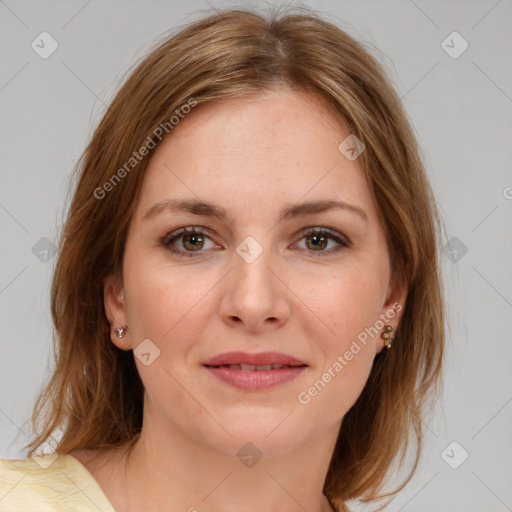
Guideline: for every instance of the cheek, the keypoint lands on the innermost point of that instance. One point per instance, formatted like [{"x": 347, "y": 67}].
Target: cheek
[
  {"x": 165, "y": 301},
  {"x": 166, "y": 305},
  {"x": 169, "y": 305},
  {"x": 353, "y": 305},
  {"x": 336, "y": 390},
  {"x": 349, "y": 307},
  {"x": 348, "y": 304}
]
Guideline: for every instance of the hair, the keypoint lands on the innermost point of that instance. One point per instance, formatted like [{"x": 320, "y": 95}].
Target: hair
[{"x": 94, "y": 395}]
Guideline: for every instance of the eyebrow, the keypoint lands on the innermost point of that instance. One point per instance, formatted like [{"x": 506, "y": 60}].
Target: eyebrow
[{"x": 197, "y": 207}]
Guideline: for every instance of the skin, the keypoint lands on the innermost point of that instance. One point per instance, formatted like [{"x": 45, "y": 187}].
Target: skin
[{"x": 254, "y": 157}]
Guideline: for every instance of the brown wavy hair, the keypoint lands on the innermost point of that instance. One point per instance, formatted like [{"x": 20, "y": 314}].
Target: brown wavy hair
[{"x": 94, "y": 395}]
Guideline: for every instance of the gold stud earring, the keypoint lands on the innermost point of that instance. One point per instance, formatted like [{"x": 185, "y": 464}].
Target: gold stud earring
[{"x": 388, "y": 334}]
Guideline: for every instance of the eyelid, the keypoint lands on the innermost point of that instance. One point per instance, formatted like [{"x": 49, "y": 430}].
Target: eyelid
[
  {"x": 324, "y": 230},
  {"x": 199, "y": 230},
  {"x": 176, "y": 234}
]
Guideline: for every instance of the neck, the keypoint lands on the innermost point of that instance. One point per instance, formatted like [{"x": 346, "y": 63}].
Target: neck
[{"x": 167, "y": 470}]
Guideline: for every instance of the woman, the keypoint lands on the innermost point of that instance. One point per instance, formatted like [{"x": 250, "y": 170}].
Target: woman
[{"x": 247, "y": 300}]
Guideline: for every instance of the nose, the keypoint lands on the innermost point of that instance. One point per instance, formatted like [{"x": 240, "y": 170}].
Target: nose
[{"x": 254, "y": 298}]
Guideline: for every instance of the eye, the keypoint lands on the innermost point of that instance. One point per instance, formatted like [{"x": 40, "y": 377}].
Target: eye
[
  {"x": 318, "y": 239},
  {"x": 193, "y": 239},
  {"x": 189, "y": 240}
]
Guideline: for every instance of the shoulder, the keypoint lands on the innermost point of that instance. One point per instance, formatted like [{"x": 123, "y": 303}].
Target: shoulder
[{"x": 50, "y": 483}]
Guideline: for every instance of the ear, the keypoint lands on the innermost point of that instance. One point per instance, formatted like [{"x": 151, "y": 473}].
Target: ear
[
  {"x": 394, "y": 305},
  {"x": 115, "y": 310}
]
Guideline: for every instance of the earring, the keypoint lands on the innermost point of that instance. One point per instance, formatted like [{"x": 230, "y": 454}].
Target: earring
[
  {"x": 121, "y": 331},
  {"x": 388, "y": 335}
]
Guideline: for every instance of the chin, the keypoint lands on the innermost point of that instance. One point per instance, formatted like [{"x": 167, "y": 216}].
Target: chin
[{"x": 272, "y": 431}]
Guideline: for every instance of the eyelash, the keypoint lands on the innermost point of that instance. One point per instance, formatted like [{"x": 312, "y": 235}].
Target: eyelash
[{"x": 168, "y": 239}]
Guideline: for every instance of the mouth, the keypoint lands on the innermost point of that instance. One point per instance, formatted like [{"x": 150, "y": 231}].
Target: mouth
[
  {"x": 254, "y": 372},
  {"x": 254, "y": 367}
]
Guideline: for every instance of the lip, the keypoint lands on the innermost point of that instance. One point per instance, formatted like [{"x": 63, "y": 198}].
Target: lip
[
  {"x": 255, "y": 380},
  {"x": 261, "y": 358}
]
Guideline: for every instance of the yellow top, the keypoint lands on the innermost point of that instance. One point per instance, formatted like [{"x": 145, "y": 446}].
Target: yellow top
[{"x": 49, "y": 483}]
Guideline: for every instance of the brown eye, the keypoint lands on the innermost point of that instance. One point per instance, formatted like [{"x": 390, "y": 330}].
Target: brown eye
[
  {"x": 193, "y": 242},
  {"x": 318, "y": 239},
  {"x": 186, "y": 241},
  {"x": 318, "y": 242}
]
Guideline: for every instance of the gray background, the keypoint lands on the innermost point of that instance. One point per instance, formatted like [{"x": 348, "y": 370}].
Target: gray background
[{"x": 461, "y": 110}]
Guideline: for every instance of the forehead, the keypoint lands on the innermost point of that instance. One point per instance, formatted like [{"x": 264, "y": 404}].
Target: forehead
[{"x": 277, "y": 147}]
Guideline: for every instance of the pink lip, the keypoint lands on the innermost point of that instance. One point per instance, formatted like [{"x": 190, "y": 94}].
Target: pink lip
[{"x": 254, "y": 380}]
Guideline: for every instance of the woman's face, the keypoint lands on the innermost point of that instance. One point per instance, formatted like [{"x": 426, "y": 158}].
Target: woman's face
[{"x": 271, "y": 277}]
